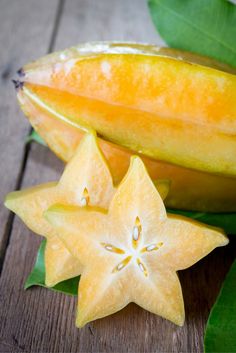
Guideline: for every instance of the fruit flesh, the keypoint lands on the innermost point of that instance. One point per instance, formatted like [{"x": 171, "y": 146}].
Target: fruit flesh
[
  {"x": 132, "y": 252},
  {"x": 202, "y": 191},
  {"x": 162, "y": 107},
  {"x": 88, "y": 171},
  {"x": 86, "y": 180}
]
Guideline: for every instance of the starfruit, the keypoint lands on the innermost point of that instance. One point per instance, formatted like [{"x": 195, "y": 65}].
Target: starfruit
[
  {"x": 162, "y": 103},
  {"x": 86, "y": 180},
  {"x": 131, "y": 252}
]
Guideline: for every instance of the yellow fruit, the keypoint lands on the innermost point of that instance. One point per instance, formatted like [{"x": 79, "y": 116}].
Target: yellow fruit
[
  {"x": 190, "y": 189},
  {"x": 162, "y": 106},
  {"x": 86, "y": 181},
  {"x": 132, "y": 252}
]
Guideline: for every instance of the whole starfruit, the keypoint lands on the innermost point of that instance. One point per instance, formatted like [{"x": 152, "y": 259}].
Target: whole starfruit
[{"x": 175, "y": 109}]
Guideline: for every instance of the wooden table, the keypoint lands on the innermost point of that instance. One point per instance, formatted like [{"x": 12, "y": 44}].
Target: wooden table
[{"x": 39, "y": 320}]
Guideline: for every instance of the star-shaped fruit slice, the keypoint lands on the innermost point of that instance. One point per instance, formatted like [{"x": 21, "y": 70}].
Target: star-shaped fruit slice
[
  {"x": 85, "y": 181},
  {"x": 131, "y": 252}
]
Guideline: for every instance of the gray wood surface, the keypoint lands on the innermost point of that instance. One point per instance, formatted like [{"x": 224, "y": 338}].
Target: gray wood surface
[
  {"x": 25, "y": 33},
  {"x": 42, "y": 321}
]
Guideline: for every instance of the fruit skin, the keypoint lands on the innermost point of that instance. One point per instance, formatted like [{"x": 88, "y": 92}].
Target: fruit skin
[
  {"x": 190, "y": 189},
  {"x": 135, "y": 230},
  {"x": 165, "y": 108}
]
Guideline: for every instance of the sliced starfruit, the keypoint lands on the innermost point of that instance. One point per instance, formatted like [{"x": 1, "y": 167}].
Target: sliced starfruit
[
  {"x": 162, "y": 104},
  {"x": 131, "y": 253},
  {"x": 202, "y": 191},
  {"x": 86, "y": 181}
]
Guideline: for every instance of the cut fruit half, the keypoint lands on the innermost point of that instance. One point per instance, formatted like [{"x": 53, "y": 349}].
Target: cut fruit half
[{"x": 131, "y": 253}]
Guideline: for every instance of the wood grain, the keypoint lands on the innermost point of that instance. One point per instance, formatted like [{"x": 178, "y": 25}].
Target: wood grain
[
  {"x": 92, "y": 20},
  {"x": 26, "y": 28},
  {"x": 42, "y": 321}
]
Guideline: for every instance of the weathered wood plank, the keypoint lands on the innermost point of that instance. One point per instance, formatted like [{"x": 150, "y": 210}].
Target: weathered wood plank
[
  {"x": 42, "y": 321},
  {"x": 91, "y": 20},
  {"x": 26, "y": 28}
]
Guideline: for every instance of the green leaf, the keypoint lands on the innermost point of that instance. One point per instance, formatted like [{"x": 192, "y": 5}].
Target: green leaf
[
  {"x": 227, "y": 221},
  {"x": 220, "y": 331},
  {"x": 205, "y": 27},
  {"x": 34, "y": 136},
  {"x": 37, "y": 276}
]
